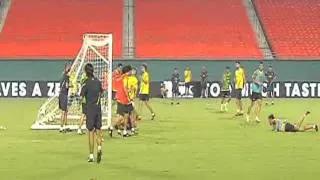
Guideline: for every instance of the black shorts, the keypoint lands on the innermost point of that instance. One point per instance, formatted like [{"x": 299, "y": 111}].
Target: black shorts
[
  {"x": 225, "y": 94},
  {"x": 83, "y": 108},
  {"x": 144, "y": 97},
  {"x": 238, "y": 93},
  {"x": 255, "y": 96},
  {"x": 290, "y": 128},
  {"x": 270, "y": 87},
  {"x": 188, "y": 84},
  {"x": 175, "y": 88},
  {"x": 63, "y": 102},
  {"x": 93, "y": 117},
  {"x": 123, "y": 109},
  {"x": 114, "y": 93}
]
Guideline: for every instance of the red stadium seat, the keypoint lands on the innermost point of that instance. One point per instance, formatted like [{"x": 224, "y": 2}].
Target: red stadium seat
[
  {"x": 53, "y": 29},
  {"x": 194, "y": 29},
  {"x": 292, "y": 26}
]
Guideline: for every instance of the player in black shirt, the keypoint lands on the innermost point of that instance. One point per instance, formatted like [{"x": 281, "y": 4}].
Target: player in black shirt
[
  {"x": 175, "y": 79},
  {"x": 204, "y": 81},
  {"x": 270, "y": 77},
  {"x": 63, "y": 97},
  {"x": 92, "y": 91}
]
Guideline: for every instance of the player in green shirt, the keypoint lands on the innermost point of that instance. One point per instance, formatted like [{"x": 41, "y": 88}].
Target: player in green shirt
[
  {"x": 225, "y": 89},
  {"x": 258, "y": 78},
  {"x": 83, "y": 116}
]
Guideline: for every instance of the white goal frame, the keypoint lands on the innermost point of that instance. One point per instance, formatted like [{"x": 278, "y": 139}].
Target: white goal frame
[{"x": 49, "y": 111}]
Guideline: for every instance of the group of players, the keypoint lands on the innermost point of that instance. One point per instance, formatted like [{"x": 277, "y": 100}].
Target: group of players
[
  {"x": 259, "y": 77},
  {"x": 125, "y": 90}
]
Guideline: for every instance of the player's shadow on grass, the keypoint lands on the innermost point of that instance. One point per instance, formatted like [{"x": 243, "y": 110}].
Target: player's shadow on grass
[{"x": 245, "y": 124}]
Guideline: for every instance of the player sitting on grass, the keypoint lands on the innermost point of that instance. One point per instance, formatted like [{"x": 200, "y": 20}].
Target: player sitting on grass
[
  {"x": 225, "y": 90},
  {"x": 285, "y": 126},
  {"x": 92, "y": 91}
]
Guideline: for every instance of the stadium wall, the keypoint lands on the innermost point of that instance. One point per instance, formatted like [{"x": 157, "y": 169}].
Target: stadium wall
[{"x": 50, "y": 70}]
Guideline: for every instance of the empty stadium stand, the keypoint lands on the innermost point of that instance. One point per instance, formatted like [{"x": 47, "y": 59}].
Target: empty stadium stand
[
  {"x": 194, "y": 29},
  {"x": 53, "y": 29},
  {"x": 292, "y": 27}
]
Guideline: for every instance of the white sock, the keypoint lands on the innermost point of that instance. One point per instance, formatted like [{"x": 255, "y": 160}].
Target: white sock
[
  {"x": 124, "y": 131},
  {"x": 225, "y": 107},
  {"x": 238, "y": 110},
  {"x": 257, "y": 119},
  {"x": 119, "y": 131},
  {"x": 248, "y": 117},
  {"x": 221, "y": 107},
  {"x": 99, "y": 148},
  {"x": 91, "y": 156},
  {"x": 132, "y": 129}
]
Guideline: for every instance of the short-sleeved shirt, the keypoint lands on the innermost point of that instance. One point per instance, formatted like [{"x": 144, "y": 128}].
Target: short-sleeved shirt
[
  {"x": 145, "y": 83},
  {"x": 116, "y": 76},
  {"x": 122, "y": 95},
  {"x": 239, "y": 78},
  {"x": 187, "y": 76},
  {"x": 132, "y": 86},
  {"x": 175, "y": 78},
  {"x": 204, "y": 75},
  {"x": 92, "y": 90},
  {"x": 226, "y": 81},
  {"x": 64, "y": 84},
  {"x": 258, "y": 76},
  {"x": 270, "y": 76},
  {"x": 74, "y": 83}
]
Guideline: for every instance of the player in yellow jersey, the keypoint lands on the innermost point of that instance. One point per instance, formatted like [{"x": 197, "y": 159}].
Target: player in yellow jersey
[
  {"x": 187, "y": 80},
  {"x": 73, "y": 85},
  {"x": 145, "y": 89},
  {"x": 132, "y": 92},
  {"x": 239, "y": 83}
]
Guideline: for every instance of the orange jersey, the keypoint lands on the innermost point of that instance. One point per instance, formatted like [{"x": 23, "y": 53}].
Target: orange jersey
[
  {"x": 116, "y": 76},
  {"x": 122, "y": 93}
]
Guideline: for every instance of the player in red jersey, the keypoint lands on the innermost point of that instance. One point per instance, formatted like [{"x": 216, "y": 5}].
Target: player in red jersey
[
  {"x": 124, "y": 104},
  {"x": 116, "y": 76}
]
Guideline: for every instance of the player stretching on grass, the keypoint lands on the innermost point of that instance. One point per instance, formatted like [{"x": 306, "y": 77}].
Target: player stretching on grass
[
  {"x": 92, "y": 91},
  {"x": 225, "y": 90},
  {"x": 63, "y": 97},
  {"x": 240, "y": 81},
  {"x": 271, "y": 77},
  {"x": 285, "y": 126},
  {"x": 256, "y": 95},
  {"x": 145, "y": 90}
]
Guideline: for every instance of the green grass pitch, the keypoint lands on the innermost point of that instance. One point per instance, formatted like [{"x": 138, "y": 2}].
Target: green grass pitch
[{"x": 188, "y": 141}]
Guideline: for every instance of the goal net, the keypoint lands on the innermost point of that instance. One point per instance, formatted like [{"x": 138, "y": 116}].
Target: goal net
[{"x": 97, "y": 50}]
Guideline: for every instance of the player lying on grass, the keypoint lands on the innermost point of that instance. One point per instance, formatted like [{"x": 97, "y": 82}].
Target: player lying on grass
[
  {"x": 92, "y": 91},
  {"x": 285, "y": 126}
]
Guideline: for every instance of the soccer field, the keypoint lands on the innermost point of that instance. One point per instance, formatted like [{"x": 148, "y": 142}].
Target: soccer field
[{"x": 187, "y": 141}]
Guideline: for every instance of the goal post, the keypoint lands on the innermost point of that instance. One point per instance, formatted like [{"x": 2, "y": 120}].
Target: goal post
[{"x": 97, "y": 50}]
